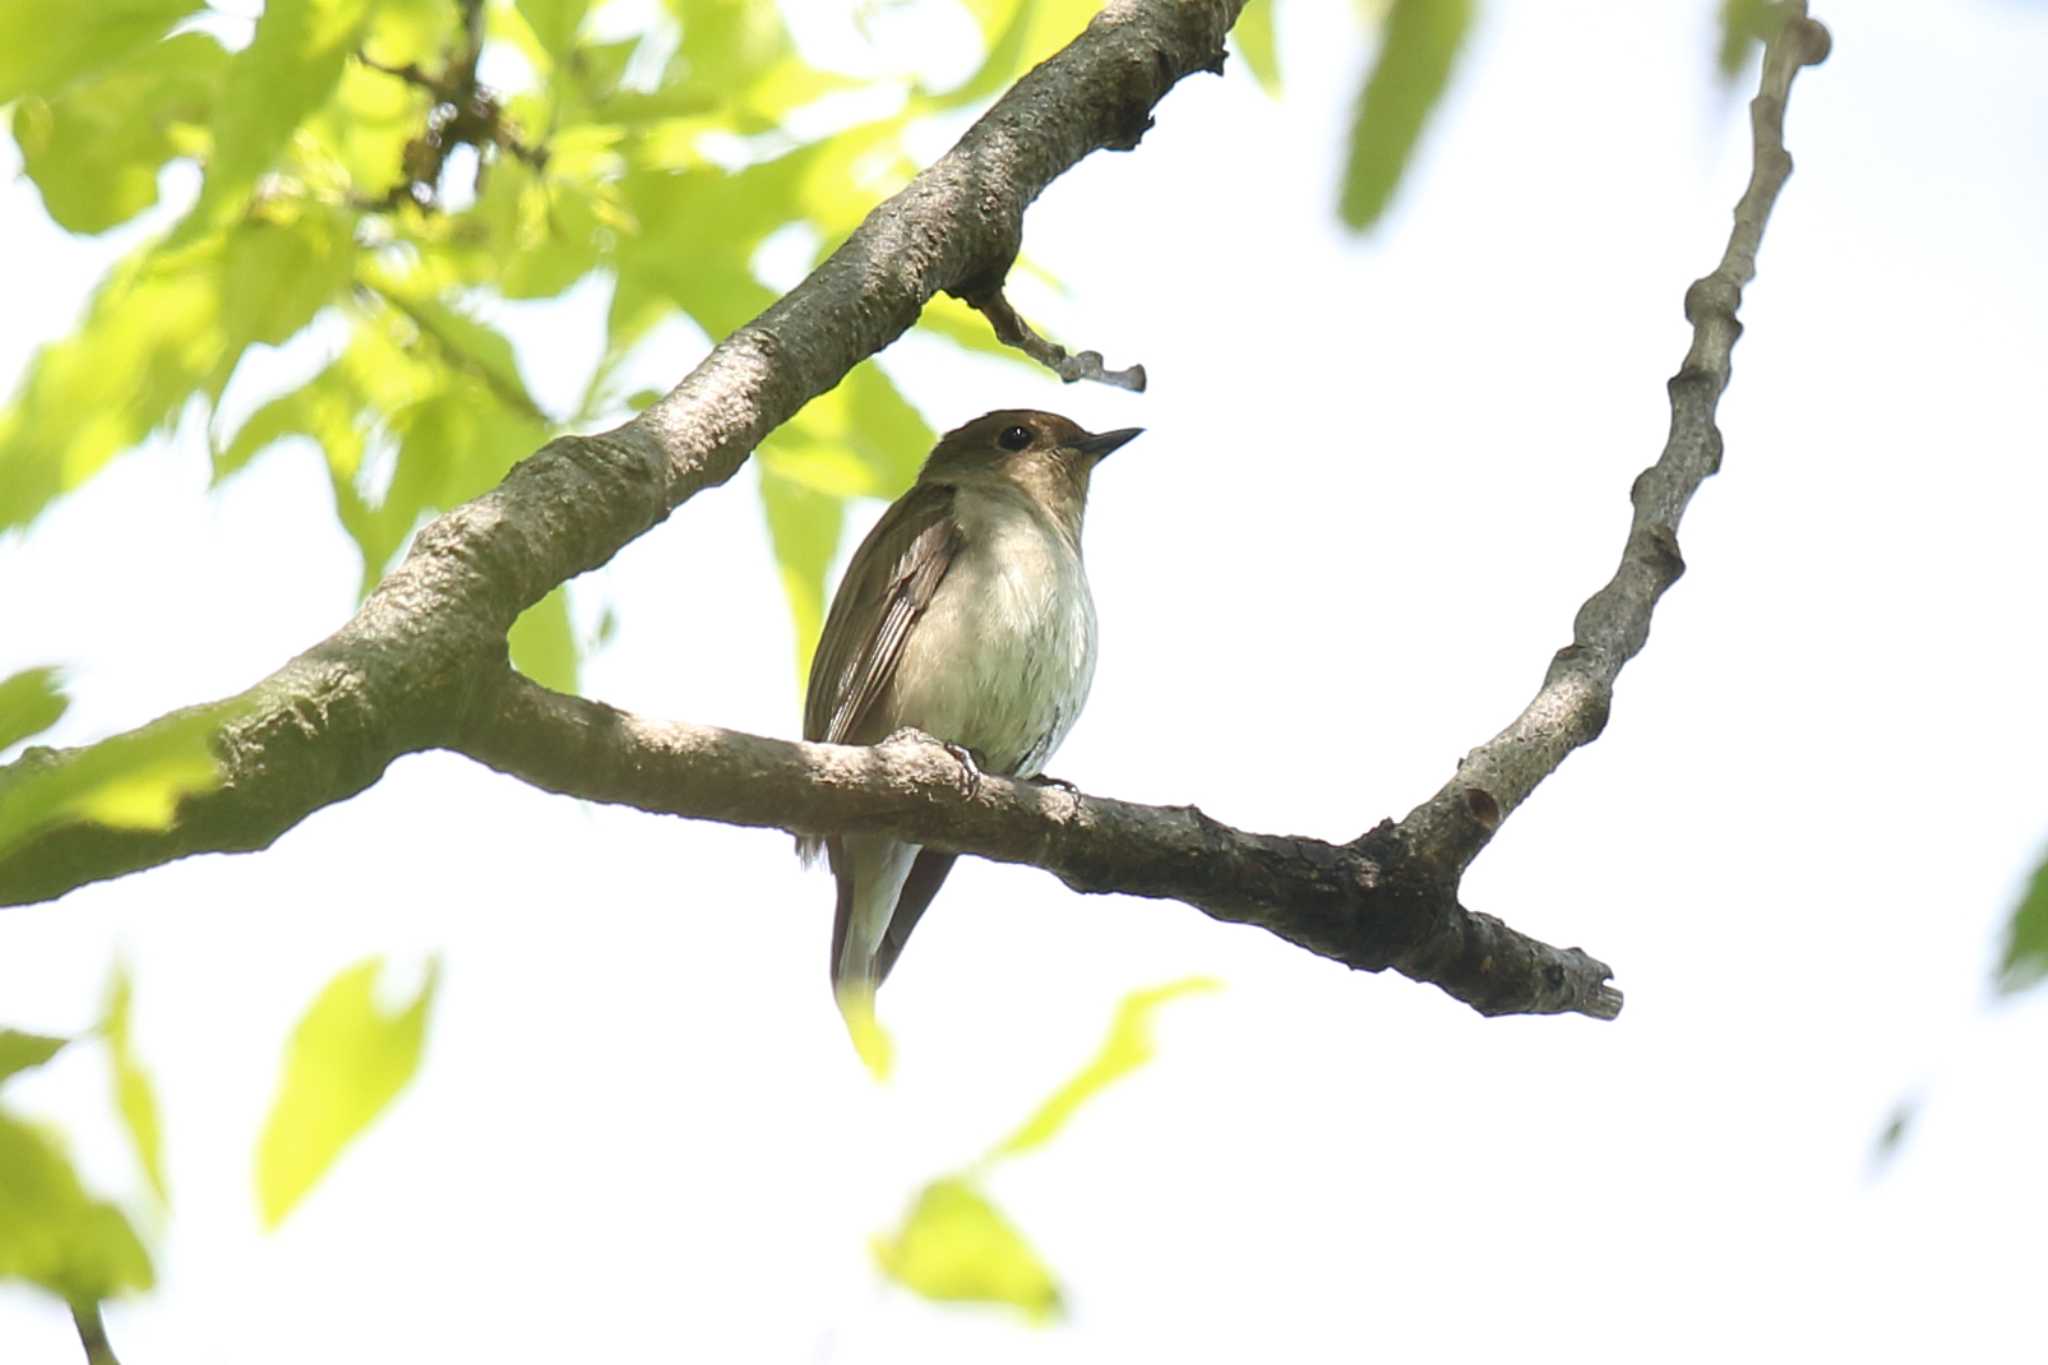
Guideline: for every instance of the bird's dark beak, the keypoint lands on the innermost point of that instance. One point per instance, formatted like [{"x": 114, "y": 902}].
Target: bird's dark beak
[{"x": 1095, "y": 447}]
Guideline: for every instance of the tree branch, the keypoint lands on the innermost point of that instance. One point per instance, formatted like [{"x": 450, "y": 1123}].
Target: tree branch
[
  {"x": 92, "y": 1334},
  {"x": 1571, "y": 707},
  {"x": 1368, "y": 904},
  {"x": 403, "y": 673},
  {"x": 1011, "y": 329},
  {"x": 423, "y": 663}
]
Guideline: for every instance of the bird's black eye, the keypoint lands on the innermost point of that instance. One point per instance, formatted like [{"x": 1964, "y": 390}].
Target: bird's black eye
[{"x": 1014, "y": 438}]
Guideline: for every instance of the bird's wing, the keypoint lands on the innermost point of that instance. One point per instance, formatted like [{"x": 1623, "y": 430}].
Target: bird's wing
[{"x": 887, "y": 587}]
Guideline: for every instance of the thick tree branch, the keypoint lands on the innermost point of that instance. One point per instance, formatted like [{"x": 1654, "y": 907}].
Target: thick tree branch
[
  {"x": 1367, "y": 904},
  {"x": 423, "y": 663}
]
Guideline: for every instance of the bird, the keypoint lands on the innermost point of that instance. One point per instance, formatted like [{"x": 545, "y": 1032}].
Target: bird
[{"x": 964, "y": 614}]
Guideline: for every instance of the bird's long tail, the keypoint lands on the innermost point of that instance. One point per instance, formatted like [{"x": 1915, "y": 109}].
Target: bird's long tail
[{"x": 870, "y": 873}]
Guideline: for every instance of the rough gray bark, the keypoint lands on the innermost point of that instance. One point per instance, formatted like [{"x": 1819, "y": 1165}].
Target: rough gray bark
[{"x": 423, "y": 663}]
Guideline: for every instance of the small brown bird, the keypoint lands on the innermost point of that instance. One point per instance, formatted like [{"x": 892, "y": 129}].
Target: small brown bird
[{"x": 964, "y": 614}]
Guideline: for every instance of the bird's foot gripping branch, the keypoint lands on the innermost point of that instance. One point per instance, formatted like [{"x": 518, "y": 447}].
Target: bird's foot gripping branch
[{"x": 422, "y": 664}]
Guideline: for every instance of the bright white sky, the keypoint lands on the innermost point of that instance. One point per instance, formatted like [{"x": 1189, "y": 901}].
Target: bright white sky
[{"x": 1379, "y": 478}]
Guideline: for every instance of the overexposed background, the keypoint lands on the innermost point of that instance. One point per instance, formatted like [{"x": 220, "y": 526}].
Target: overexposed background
[{"x": 1378, "y": 479}]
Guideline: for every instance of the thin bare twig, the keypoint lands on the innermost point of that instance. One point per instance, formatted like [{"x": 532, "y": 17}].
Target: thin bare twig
[
  {"x": 1571, "y": 707},
  {"x": 1012, "y": 330}
]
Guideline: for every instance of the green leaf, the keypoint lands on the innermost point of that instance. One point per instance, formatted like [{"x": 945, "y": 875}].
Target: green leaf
[
  {"x": 150, "y": 338},
  {"x": 1421, "y": 43},
  {"x": 94, "y": 150},
  {"x": 22, "y": 1051},
  {"x": 740, "y": 55},
  {"x": 464, "y": 344},
  {"x": 1128, "y": 1047},
  {"x": 282, "y": 263},
  {"x": 954, "y": 1246},
  {"x": 862, "y": 438},
  {"x": 54, "y": 1234},
  {"x": 539, "y": 234},
  {"x": 1745, "y": 24},
  {"x": 2026, "y": 945},
  {"x": 46, "y": 44},
  {"x": 554, "y": 23},
  {"x": 132, "y": 781},
  {"x": 1892, "y": 1137},
  {"x": 803, "y": 529},
  {"x": 326, "y": 408},
  {"x": 969, "y": 330},
  {"x": 1253, "y": 34},
  {"x": 134, "y": 1096},
  {"x": 402, "y": 31},
  {"x": 289, "y": 69},
  {"x": 346, "y": 1061},
  {"x": 31, "y": 701},
  {"x": 544, "y": 645}
]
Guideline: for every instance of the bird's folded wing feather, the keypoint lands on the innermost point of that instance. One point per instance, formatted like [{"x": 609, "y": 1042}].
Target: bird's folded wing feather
[{"x": 887, "y": 588}]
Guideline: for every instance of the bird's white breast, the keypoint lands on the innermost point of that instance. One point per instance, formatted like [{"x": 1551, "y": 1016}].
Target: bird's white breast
[{"x": 1003, "y": 658}]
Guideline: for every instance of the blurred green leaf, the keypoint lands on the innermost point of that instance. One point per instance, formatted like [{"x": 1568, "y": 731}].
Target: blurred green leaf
[
  {"x": 1253, "y": 34},
  {"x": 150, "y": 338},
  {"x": 2026, "y": 944},
  {"x": 1420, "y": 44},
  {"x": 1020, "y": 35},
  {"x": 1892, "y": 1137},
  {"x": 1745, "y": 24},
  {"x": 451, "y": 447},
  {"x": 132, "y": 781},
  {"x": 466, "y": 345},
  {"x": 541, "y": 233},
  {"x": 94, "y": 150},
  {"x": 289, "y": 69},
  {"x": 955, "y": 1246},
  {"x": 803, "y": 530},
  {"x": 871, "y": 1042},
  {"x": 168, "y": 324},
  {"x": 968, "y": 330},
  {"x": 554, "y": 23},
  {"x": 326, "y": 408},
  {"x": 31, "y": 701},
  {"x": 440, "y": 387},
  {"x": 134, "y": 1096},
  {"x": 1128, "y": 1047},
  {"x": 354, "y": 143},
  {"x": 862, "y": 438},
  {"x": 46, "y": 44},
  {"x": 739, "y": 53},
  {"x": 22, "y": 1051},
  {"x": 346, "y": 1061},
  {"x": 544, "y": 644},
  {"x": 401, "y": 31},
  {"x": 282, "y": 263},
  {"x": 54, "y": 1234}
]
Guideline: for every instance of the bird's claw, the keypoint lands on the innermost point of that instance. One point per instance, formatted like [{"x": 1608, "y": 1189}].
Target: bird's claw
[
  {"x": 970, "y": 773},
  {"x": 1056, "y": 783}
]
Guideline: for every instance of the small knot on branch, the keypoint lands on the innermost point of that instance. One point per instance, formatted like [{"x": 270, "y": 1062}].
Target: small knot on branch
[{"x": 1810, "y": 40}]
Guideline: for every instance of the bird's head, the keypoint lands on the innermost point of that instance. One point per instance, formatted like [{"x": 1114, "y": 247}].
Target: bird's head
[{"x": 1044, "y": 454}]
